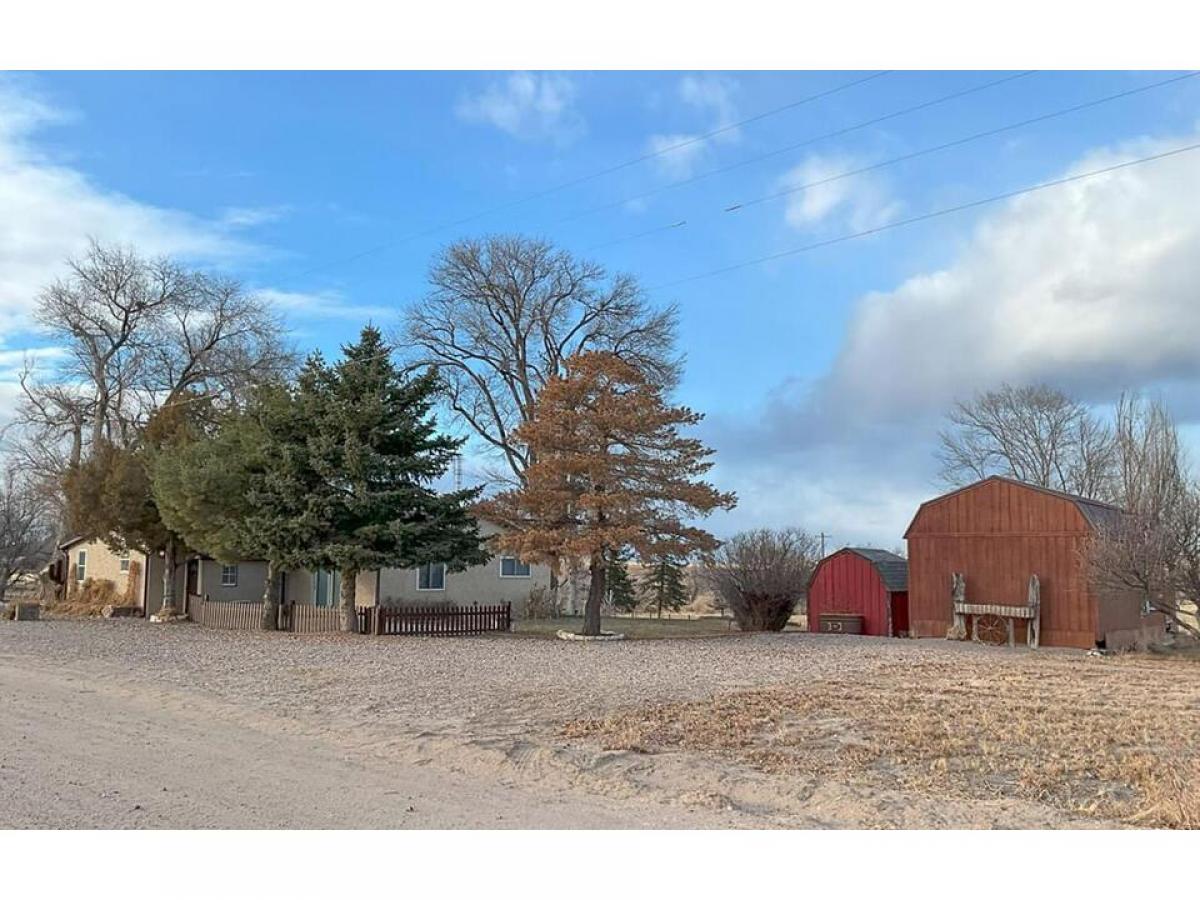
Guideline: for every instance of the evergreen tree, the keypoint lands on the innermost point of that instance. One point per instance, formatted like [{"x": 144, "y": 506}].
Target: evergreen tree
[
  {"x": 611, "y": 471},
  {"x": 663, "y": 585},
  {"x": 619, "y": 585},
  {"x": 246, "y": 491},
  {"x": 375, "y": 450},
  {"x": 110, "y": 495}
]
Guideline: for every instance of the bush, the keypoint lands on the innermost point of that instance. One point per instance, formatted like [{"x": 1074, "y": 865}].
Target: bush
[
  {"x": 761, "y": 575},
  {"x": 540, "y": 604}
]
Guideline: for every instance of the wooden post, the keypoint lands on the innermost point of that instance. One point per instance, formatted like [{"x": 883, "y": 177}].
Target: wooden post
[
  {"x": 958, "y": 595},
  {"x": 1034, "y": 600}
]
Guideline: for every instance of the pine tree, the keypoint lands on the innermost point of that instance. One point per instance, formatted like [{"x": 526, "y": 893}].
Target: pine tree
[
  {"x": 663, "y": 585},
  {"x": 245, "y": 490},
  {"x": 610, "y": 471},
  {"x": 110, "y": 495},
  {"x": 376, "y": 451},
  {"x": 619, "y": 585}
]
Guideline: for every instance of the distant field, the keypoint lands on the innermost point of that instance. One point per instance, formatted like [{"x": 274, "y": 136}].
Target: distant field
[{"x": 636, "y": 628}]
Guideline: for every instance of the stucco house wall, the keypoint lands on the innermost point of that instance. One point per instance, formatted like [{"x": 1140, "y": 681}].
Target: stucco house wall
[{"x": 103, "y": 564}]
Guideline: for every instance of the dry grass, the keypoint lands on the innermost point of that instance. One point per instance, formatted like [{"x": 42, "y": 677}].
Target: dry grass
[
  {"x": 1114, "y": 738},
  {"x": 85, "y": 600},
  {"x": 633, "y": 628}
]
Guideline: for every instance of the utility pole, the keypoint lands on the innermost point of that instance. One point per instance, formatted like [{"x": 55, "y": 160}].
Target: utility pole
[{"x": 823, "y": 536}]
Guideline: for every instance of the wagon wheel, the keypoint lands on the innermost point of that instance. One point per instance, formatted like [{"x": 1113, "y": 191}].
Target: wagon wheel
[{"x": 991, "y": 629}]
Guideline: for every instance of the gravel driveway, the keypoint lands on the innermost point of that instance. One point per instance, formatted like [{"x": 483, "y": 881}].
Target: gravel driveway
[{"x": 487, "y": 711}]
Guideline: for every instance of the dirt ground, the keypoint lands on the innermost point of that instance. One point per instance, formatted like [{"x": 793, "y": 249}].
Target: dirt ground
[{"x": 127, "y": 724}]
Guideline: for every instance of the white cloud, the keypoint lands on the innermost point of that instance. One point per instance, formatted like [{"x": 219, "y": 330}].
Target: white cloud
[
  {"x": 527, "y": 105},
  {"x": 712, "y": 97},
  {"x": 323, "y": 305},
  {"x": 1092, "y": 286},
  {"x": 50, "y": 210},
  {"x": 858, "y": 202},
  {"x": 251, "y": 216}
]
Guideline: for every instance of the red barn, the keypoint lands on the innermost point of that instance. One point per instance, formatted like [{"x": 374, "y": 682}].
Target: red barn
[
  {"x": 998, "y": 532},
  {"x": 860, "y": 581}
]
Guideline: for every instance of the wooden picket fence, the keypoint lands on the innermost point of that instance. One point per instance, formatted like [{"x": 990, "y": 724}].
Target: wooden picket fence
[
  {"x": 236, "y": 616},
  {"x": 441, "y": 620},
  {"x": 304, "y": 619},
  {"x": 383, "y": 620}
]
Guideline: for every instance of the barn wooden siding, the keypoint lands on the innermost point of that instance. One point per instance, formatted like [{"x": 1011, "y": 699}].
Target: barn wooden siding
[
  {"x": 847, "y": 583},
  {"x": 998, "y": 533}
]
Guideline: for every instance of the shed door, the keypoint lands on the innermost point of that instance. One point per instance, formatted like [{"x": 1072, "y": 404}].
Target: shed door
[{"x": 899, "y": 601}]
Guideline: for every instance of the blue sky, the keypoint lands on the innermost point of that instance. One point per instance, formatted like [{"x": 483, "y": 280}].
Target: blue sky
[{"x": 823, "y": 374}]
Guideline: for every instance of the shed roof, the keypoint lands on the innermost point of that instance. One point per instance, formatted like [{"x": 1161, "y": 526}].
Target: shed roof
[
  {"x": 1095, "y": 512},
  {"x": 892, "y": 569}
]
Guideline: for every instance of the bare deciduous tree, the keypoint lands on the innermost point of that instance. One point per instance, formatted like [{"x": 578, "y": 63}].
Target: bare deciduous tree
[
  {"x": 1152, "y": 551},
  {"x": 104, "y": 315},
  {"x": 503, "y": 316},
  {"x": 137, "y": 334},
  {"x": 26, "y": 540},
  {"x": 1036, "y": 434},
  {"x": 761, "y": 575}
]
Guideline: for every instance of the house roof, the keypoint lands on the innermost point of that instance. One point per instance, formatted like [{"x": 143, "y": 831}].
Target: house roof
[
  {"x": 1095, "y": 512},
  {"x": 892, "y": 569}
]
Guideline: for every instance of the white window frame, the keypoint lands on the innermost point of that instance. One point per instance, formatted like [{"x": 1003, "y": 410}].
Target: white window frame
[
  {"x": 225, "y": 570},
  {"x": 123, "y": 563},
  {"x": 81, "y": 566},
  {"x": 430, "y": 567},
  {"x": 516, "y": 563}
]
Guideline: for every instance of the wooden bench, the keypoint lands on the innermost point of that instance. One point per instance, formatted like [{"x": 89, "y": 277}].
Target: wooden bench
[{"x": 993, "y": 623}]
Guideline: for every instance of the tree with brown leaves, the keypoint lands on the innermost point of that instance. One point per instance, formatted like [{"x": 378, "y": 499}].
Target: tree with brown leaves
[{"x": 610, "y": 471}]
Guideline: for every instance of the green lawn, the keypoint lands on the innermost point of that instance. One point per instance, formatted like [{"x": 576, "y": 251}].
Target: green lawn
[{"x": 635, "y": 628}]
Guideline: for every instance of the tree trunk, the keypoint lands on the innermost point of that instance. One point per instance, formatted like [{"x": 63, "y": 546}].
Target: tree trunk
[
  {"x": 270, "y": 611},
  {"x": 591, "y": 617},
  {"x": 572, "y": 589},
  {"x": 168, "y": 598},
  {"x": 554, "y": 608},
  {"x": 346, "y": 594}
]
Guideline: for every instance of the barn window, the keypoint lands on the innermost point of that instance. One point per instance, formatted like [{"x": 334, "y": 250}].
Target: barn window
[
  {"x": 81, "y": 566},
  {"x": 229, "y": 575},
  {"x": 125, "y": 561}
]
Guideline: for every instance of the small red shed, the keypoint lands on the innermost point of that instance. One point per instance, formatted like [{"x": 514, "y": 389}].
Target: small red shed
[{"x": 861, "y": 581}]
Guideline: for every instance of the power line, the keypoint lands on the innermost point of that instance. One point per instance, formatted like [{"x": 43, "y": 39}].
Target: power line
[
  {"x": 528, "y": 198},
  {"x": 925, "y": 217},
  {"x": 991, "y": 132},
  {"x": 771, "y": 154}
]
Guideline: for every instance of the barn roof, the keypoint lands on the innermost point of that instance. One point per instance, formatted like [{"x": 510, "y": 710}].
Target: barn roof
[
  {"x": 892, "y": 569},
  {"x": 1097, "y": 513}
]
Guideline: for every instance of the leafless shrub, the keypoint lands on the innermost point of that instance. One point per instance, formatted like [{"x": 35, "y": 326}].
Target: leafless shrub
[
  {"x": 761, "y": 575},
  {"x": 539, "y": 604},
  {"x": 26, "y": 536}
]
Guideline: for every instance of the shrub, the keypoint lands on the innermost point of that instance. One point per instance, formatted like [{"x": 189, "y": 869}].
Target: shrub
[
  {"x": 761, "y": 575},
  {"x": 540, "y": 604}
]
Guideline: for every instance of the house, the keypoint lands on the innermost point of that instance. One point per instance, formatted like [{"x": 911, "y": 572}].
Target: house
[
  {"x": 869, "y": 584},
  {"x": 999, "y": 532},
  {"x": 503, "y": 579},
  {"x": 137, "y": 579}
]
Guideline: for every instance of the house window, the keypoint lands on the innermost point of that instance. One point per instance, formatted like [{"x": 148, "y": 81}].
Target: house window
[
  {"x": 511, "y": 567},
  {"x": 81, "y": 566},
  {"x": 229, "y": 576},
  {"x": 431, "y": 577},
  {"x": 326, "y": 585},
  {"x": 124, "y": 561}
]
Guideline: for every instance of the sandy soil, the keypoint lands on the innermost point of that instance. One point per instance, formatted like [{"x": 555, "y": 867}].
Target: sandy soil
[{"x": 125, "y": 724}]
